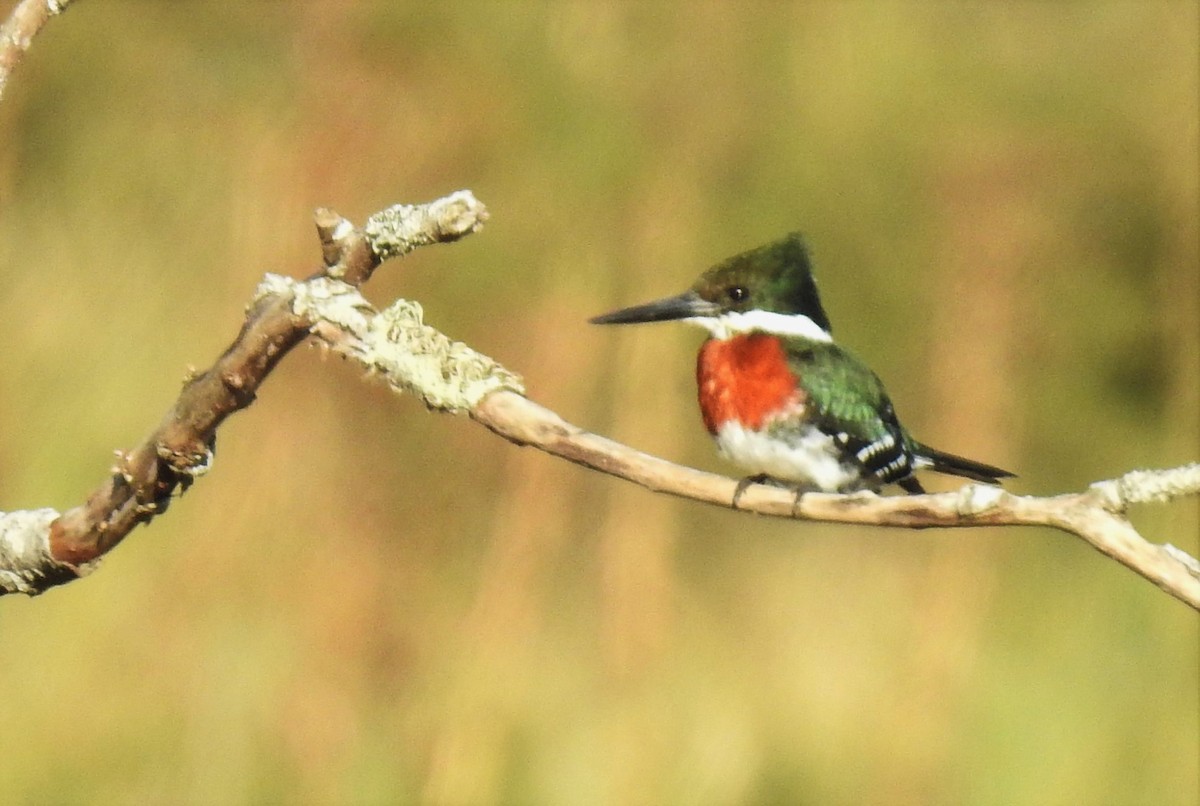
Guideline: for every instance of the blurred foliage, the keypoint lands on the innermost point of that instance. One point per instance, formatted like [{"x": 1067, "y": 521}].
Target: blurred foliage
[{"x": 363, "y": 603}]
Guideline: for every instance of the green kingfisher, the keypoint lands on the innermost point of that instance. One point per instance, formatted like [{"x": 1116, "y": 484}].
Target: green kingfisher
[{"x": 778, "y": 395}]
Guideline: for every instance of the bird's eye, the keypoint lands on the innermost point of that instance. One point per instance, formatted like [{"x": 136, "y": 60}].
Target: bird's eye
[{"x": 737, "y": 293}]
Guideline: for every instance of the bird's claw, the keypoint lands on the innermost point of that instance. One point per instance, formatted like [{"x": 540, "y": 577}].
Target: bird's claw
[
  {"x": 745, "y": 483},
  {"x": 796, "y": 500},
  {"x": 799, "y": 489}
]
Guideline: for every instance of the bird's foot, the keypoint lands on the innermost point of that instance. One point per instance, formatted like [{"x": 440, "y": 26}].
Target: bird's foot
[
  {"x": 798, "y": 488},
  {"x": 761, "y": 478},
  {"x": 798, "y": 498}
]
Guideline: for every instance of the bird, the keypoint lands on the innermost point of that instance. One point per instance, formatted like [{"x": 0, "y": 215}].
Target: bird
[{"x": 779, "y": 396}]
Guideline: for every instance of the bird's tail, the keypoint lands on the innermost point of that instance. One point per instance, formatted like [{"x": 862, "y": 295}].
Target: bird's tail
[{"x": 960, "y": 466}]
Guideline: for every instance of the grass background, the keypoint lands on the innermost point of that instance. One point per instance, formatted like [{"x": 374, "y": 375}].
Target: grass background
[{"x": 366, "y": 603}]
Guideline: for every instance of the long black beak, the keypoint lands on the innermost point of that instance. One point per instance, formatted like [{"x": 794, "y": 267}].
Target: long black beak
[{"x": 685, "y": 305}]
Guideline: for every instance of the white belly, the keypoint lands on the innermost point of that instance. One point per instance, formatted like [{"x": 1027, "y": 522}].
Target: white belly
[{"x": 809, "y": 457}]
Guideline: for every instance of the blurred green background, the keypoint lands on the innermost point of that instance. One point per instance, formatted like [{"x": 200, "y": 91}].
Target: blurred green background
[{"x": 366, "y": 603}]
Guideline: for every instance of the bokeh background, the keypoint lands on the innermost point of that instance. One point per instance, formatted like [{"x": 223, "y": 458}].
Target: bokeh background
[{"x": 367, "y": 603}]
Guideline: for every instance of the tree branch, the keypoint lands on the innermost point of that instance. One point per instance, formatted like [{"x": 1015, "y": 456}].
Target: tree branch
[
  {"x": 18, "y": 31},
  {"x": 397, "y": 346},
  {"x": 40, "y": 548}
]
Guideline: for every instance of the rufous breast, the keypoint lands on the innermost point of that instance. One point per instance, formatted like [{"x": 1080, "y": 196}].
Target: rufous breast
[{"x": 745, "y": 378}]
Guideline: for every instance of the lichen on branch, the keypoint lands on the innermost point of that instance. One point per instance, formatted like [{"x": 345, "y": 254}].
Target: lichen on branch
[
  {"x": 43, "y": 548},
  {"x": 396, "y": 344}
]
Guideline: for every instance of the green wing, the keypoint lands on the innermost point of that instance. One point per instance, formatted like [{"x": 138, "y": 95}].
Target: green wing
[
  {"x": 844, "y": 394},
  {"x": 847, "y": 401}
]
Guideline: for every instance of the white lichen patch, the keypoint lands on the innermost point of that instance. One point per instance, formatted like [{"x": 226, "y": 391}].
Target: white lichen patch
[
  {"x": 25, "y": 550},
  {"x": 976, "y": 498},
  {"x": 396, "y": 344},
  {"x": 1158, "y": 486},
  {"x": 334, "y": 301},
  {"x": 399, "y": 229},
  {"x": 273, "y": 285},
  {"x": 446, "y": 374},
  {"x": 1147, "y": 486}
]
